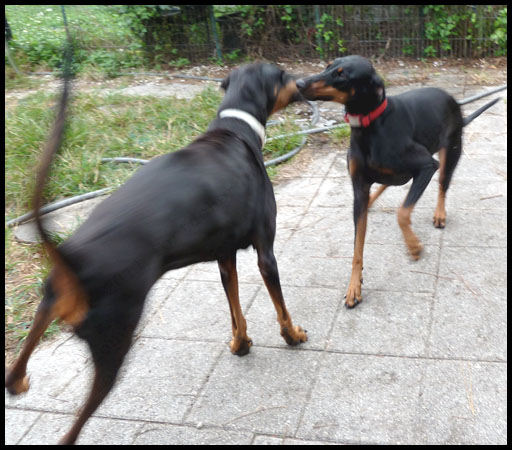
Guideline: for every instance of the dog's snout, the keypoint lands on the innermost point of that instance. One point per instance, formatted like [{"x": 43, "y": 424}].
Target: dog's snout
[{"x": 301, "y": 84}]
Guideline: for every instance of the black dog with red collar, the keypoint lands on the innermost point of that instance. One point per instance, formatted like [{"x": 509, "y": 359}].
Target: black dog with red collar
[{"x": 392, "y": 140}]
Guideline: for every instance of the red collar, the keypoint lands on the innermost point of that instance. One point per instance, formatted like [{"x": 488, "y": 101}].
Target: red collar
[{"x": 360, "y": 120}]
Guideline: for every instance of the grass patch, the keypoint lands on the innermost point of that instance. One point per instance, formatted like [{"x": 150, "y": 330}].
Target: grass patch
[
  {"x": 99, "y": 126},
  {"x": 38, "y": 36}
]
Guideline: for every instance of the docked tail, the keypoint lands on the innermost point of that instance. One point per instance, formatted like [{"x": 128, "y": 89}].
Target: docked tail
[{"x": 479, "y": 111}]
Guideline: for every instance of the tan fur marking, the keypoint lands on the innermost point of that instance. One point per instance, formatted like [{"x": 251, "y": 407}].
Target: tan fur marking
[
  {"x": 352, "y": 167},
  {"x": 385, "y": 171},
  {"x": 411, "y": 240},
  {"x": 319, "y": 89},
  {"x": 284, "y": 96},
  {"x": 376, "y": 194},
  {"x": 440, "y": 212},
  {"x": 71, "y": 305},
  {"x": 240, "y": 342},
  {"x": 353, "y": 295}
]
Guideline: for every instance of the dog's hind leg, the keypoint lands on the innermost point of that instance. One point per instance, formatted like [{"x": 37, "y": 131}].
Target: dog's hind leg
[
  {"x": 448, "y": 159},
  {"x": 109, "y": 336},
  {"x": 241, "y": 343},
  {"x": 63, "y": 299},
  {"x": 376, "y": 194},
  {"x": 426, "y": 166},
  {"x": 267, "y": 264},
  {"x": 16, "y": 379}
]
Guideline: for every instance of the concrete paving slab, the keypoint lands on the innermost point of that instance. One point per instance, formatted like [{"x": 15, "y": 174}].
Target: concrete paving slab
[
  {"x": 297, "y": 192},
  {"x": 477, "y": 298},
  {"x": 385, "y": 323},
  {"x": 50, "y": 427},
  {"x": 332, "y": 193},
  {"x": 475, "y": 228},
  {"x": 390, "y": 268},
  {"x": 263, "y": 392},
  {"x": 462, "y": 402},
  {"x": 18, "y": 423},
  {"x": 365, "y": 399},
  {"x": 156, "y": 372},
  {"x": 156, "y": 434}
]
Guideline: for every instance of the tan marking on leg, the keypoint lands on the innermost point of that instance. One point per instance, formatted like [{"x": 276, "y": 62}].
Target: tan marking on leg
[
  {"x": 16, "y": 380},
  {"x": 411, "y": 240},
  {"x": 377, "y": 194},
  {"x": 70, "y": 305},
  {"x": 440, "y": 212},
  {"x": 292, "y": 334},
  {"x": 353, "y": 296},
  {"x": 240, "y": 343},
  {"x": 352, "y": 167}
]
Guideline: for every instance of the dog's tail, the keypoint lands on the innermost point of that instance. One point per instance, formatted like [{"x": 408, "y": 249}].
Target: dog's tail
[
  {"x": 479, "y": 111},
  {"x": 50, "y": 150},
  {"x": 64, "y": 297},
  {"x": 69, "y": 295}
]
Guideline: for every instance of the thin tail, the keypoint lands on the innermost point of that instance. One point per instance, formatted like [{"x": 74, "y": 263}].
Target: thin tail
[
  {"x": 50, "y": 150},
  {"x": 479, "y": 111}
]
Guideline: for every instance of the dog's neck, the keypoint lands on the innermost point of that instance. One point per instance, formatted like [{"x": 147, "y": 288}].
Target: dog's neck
[
  {"x": 364, "y": 120},
  {"x": 365, "y": 103},
  {"x": 249, "y": 119}
]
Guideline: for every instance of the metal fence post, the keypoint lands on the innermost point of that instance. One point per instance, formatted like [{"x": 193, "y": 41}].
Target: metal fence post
[{"x": 214, "y": 31}]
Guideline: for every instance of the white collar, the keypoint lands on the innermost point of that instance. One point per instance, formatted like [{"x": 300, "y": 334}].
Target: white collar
[{"x": 249, "y": 119}]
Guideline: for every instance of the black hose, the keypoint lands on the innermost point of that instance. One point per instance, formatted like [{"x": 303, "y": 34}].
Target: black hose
[{"x": 483, "y": 94}]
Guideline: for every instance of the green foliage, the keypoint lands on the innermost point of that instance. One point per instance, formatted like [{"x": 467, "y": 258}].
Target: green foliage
[
  {"x": 445, "y": 22},
  {"x": 499, "y": 36},
  {"x": 441, "y": 25}
]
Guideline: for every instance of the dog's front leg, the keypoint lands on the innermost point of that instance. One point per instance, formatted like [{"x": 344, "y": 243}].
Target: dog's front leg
[{"x": 361, "y": 196}]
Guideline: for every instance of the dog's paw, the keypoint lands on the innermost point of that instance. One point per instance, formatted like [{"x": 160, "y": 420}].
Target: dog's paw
[
  {"x": 415, "y": 251},
  {"x": 18, "y": 386},
  {"x": 439, "y": 221},
  {"x": 295, "y": 335},
  {"x": 353, "y": 296},
  {"x": 240, "y": 346}
]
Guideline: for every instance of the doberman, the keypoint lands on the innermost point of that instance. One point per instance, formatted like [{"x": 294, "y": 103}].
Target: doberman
[
  {"x": 201, "y": 203},
  {"x": 392, "y": 140}
]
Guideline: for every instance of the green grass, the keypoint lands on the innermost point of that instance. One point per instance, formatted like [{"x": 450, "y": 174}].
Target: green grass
[
  {"x": 114, "y": 125},
  {"x": 109, "y": 126},
  {"x": 39, "y": 34}
]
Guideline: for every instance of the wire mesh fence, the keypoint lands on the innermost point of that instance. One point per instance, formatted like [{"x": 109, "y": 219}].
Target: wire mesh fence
[{"x": 161, "y": 35}]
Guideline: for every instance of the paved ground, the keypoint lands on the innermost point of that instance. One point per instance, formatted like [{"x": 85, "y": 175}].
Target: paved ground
[{"x": 422, "y": 360}]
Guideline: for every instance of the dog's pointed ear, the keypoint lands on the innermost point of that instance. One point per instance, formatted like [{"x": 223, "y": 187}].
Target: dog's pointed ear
[
  {"x": 378, "y": 85},
  {"x": 225, "y": 83}
]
